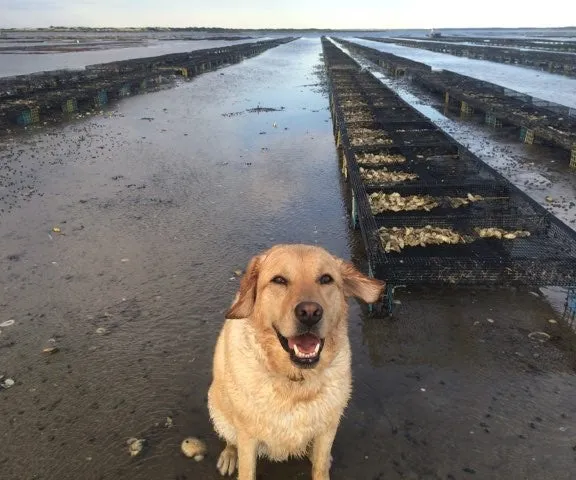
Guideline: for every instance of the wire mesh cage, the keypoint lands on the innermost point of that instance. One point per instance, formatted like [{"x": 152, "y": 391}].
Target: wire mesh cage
[{"x": 466, "y": 224}]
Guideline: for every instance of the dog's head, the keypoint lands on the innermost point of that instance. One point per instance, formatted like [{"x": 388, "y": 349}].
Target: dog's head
[{"x": 296, "y": 297}]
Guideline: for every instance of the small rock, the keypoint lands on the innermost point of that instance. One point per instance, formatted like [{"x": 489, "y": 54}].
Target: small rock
[
  {"x": 552, "y": 321},
  {"x": 169, "y": 422},
  {"x": 50, "y": 350},
  {"x": 124, "y": 260},
  {"x": 489, "y": 320},
  {"x": 7, "y": 323},
  {"x": 56, "y": 229},
  {"x": 549, "y": 199},
  {"x": 238, "y": 273},
  {"x": 193, "y": 448},
  {"x": 101, "y": 331}
]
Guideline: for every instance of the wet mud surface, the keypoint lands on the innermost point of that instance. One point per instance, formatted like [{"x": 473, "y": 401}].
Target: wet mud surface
[{"x": 157, "y": 204}]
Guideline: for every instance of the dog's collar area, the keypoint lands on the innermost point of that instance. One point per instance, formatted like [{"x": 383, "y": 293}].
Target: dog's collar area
[{"x": 301, "y": 362}]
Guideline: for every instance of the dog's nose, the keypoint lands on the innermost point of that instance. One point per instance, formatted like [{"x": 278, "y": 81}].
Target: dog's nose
[{"x": 309, "y": 313}]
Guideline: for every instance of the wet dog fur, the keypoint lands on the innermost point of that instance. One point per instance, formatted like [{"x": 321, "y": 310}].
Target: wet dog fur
[{"x": 282, "y": 362}]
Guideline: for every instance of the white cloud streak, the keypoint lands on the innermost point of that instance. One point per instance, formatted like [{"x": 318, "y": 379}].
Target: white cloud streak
[{"x": 296, "y": 13}]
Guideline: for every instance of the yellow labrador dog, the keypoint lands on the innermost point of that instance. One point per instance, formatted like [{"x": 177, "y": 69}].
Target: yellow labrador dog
[{"x": 282, "y": 364}]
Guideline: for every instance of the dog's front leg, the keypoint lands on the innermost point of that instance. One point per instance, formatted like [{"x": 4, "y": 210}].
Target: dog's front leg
[
  {"x": 247, "y": 457},
  {"x": 321, "y": 458}
]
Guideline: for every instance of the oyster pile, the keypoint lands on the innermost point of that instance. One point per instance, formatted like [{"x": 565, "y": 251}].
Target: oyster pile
[
  {"x": 350, "y": 96},
  {"x": 456, "y": 202},
  {"x": 394, "y": 239},
  {"x": 380, "y": 158},
  {"x": 367, "y": 136},
  {"x": 354, "y": 104},
  {"x": 492, "y": 232},
  {"x": 394, "y": 202},
  {"x": 360, "y": 115},
  {"x": 383, "y": 176}
]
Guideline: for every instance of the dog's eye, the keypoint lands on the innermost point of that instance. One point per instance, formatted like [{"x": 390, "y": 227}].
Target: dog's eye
[
  {"x": 326, "y": 279},
  {"x": 280, "y": 280}
]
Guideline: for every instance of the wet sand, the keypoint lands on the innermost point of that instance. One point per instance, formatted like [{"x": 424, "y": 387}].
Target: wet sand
[{"x": 158, "y": 204}]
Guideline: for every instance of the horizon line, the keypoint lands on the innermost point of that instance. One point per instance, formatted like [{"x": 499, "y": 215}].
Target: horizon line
[{"x": 61, "y": 27}]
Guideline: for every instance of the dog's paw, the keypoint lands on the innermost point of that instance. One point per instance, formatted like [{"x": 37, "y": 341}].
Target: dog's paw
[{"x": 227, "y": 461}]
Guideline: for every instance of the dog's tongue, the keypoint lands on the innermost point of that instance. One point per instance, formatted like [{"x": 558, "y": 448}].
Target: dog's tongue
[{"x": 306, "y": 343}]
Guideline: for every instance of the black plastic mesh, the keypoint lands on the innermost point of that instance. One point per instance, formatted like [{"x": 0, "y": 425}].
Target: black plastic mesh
[
  {"x": 552, "y": 122},
  {"x": 445, "y": 170}
]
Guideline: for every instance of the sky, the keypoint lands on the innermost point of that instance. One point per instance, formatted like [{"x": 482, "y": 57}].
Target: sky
[{"x": 336, "y": 14}]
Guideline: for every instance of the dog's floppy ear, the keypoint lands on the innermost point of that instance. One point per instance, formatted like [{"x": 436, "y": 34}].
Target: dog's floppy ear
[
  {"x": 246, "y": 296},
  {"x": 358, "y": 285}
]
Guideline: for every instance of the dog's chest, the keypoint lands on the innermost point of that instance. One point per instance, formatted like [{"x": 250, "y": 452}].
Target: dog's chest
[{"x": 287, "y": 426}]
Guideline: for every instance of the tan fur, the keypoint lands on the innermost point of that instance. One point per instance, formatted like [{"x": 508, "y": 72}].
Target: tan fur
[{"x": 262, "y": 404}]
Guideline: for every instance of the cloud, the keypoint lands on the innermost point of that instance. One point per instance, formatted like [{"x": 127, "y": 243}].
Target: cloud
[
  {"x": 379, "y": 14},
  {"x": 29, "y": 4}
]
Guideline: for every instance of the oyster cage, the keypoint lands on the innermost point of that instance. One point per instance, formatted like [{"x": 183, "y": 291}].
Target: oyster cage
[{"x": 506, "y": 237}]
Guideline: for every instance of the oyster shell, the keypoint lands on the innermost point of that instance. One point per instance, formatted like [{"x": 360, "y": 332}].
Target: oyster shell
[
  {"x": 456, "y": 202},
  {"x": 193, "y": 448},
  {"x": 394, "y": 202},
  {"x": 493, "y": 232},
  {"x": 368, "y": 136},
  {"x": 379, "y": 159},
  {"x": 394, "y": 239},
  {"x": 384, "y": 176}
]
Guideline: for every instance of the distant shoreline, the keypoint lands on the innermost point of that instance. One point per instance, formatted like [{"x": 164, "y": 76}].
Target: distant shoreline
[{"x": 275, "y": 30}]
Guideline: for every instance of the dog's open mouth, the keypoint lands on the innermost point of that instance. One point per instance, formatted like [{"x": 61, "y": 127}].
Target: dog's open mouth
[{"x": 304, "y": 349}]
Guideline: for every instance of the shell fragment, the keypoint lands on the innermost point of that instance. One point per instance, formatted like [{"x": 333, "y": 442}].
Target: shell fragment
[{"x": 193, "y": 448}]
